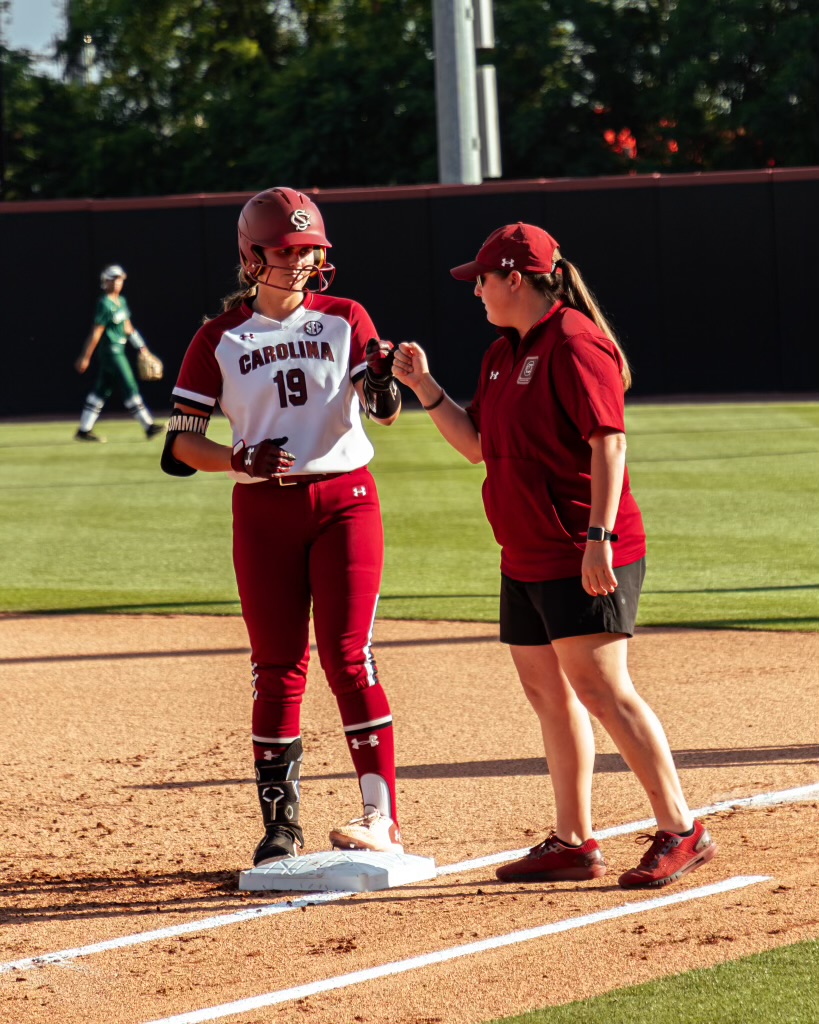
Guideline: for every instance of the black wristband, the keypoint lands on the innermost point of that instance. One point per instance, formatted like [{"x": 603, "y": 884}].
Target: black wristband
[
  {"x": 378, "y": 381},
  {"x": 436, "y": 403},
  {"x": 382, "y": 396}
]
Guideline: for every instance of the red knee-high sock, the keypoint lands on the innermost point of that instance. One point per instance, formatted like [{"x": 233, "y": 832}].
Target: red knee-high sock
[{"x": 367, "y": 722}]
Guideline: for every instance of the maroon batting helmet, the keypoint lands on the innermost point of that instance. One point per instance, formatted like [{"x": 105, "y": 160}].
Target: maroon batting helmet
[{"x": 276, "y": 219}]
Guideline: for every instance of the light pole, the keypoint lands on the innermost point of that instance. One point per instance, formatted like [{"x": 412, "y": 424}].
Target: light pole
[
  {"x": 459, "y": 145},
  {"x": 3, "y": 54},
  {"x": 488, "y": 121},
  {"x": 466, "y": 99}
]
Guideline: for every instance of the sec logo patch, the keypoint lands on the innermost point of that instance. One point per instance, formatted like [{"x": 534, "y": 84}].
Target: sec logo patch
[{"x": 528, "y": 370}]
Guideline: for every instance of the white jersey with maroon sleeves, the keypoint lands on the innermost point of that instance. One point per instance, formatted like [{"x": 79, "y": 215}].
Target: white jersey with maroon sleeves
[{"x": 292, "y": 378}]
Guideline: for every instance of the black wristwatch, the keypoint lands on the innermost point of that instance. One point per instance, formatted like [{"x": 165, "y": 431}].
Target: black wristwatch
[{"x": 597, "y": 533}]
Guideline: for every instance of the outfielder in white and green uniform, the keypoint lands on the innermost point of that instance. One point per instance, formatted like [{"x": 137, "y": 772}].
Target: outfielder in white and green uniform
[{"x": 111, "y": 331}]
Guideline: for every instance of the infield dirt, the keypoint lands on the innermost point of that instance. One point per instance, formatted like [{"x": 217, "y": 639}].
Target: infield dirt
[{"x": 128, "y": 806}]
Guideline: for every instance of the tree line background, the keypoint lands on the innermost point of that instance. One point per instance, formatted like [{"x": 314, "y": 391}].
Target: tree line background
[{"x": 166, "y": 97}]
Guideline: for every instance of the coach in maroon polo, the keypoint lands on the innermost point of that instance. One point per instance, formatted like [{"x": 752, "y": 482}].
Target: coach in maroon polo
[{"x": 547, "y": 420}]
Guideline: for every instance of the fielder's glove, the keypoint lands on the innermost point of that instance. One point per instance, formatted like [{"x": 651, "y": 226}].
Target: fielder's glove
[
  {"x": 149, "y": 366},
  {"x": 265, "y": 459}
]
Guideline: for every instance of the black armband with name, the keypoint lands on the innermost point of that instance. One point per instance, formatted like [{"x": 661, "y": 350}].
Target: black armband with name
[
  {"x": 181, "y": 423},
  {"x": 382, "y": 395}
]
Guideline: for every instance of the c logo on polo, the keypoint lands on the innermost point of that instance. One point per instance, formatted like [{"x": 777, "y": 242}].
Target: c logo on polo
[
  {"x": 300, "y": 219},
  {"x": 313, "y": 327},
  {"x": 528, "y": 370}
]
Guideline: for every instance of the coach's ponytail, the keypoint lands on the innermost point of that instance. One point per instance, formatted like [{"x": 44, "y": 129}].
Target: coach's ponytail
[
  {"x": 566, "y": 285},
  {"x": 575, "y": 293}
]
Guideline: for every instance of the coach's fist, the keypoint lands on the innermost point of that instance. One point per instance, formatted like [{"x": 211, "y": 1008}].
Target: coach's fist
[
  {"x": 380, "y": 355},
  {"x": 265, "y": 459},
  {"x": 411, "y": 366}
]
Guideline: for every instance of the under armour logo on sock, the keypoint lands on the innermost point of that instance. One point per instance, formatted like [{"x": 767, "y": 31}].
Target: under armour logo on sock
[{"x": 371, "y": 741}]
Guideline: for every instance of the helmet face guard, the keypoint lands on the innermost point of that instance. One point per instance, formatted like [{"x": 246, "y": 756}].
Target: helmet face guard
[
  {"x": 277, "y": 219},
  {"x": 316, "y": 278}
]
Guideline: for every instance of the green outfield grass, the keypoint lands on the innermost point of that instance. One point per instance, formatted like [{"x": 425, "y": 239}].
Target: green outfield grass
[
  {"x": 778, "y": 987},
  {"x": 729, "y": 495}
]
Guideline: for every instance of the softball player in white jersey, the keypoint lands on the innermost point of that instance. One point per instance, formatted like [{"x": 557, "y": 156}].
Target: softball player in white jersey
[{"x": 291, "y": 366}]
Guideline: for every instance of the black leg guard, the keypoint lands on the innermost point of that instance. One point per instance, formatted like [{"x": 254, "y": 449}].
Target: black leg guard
[{"x": 278, "y": 785}]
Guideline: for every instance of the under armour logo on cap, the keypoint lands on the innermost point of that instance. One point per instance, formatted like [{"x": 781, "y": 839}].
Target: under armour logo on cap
[{"x": 524, "y": 247}]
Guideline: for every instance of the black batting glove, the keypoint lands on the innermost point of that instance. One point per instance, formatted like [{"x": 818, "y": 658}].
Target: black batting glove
[
  {"x": 380, "y": 355},
  {"x": 265, "y": 459}
]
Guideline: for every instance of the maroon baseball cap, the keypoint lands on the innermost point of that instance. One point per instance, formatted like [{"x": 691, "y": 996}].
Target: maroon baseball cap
[{"x": 522, "y": 247}]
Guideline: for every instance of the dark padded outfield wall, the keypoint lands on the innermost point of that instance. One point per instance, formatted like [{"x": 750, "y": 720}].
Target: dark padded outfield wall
[
  {"x": 796, "y": 225},
  {"x": 718, "y": 296},
  {"x": 706, "y": 278}
]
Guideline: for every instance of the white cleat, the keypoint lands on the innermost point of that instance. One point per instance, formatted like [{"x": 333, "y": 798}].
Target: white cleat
[{"x": 375, "y": 831}]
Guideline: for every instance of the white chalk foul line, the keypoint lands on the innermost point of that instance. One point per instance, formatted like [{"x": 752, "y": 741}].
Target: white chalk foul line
[
  {"x": 64, "y": 955},
  {"x": 222, "y": 920},
  {"x": 441, "y": 956},
  {"x": 783, "y": 796}
]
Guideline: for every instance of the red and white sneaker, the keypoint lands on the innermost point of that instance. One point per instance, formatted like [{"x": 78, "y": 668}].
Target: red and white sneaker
[
  {"x": 375, "y": 831},
  {"x": 553, "y": 861},
  {"x": 669, "y": 857}
]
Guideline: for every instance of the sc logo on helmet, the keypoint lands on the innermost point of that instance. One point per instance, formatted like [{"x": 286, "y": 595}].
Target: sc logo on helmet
[{"x": 300, "y": 219}]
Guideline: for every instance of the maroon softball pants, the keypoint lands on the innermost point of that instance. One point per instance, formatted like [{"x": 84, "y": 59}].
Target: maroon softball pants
[{"x": 319, "y": 543}]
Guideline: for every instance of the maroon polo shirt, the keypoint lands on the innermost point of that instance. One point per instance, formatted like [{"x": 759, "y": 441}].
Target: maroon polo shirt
[{"x": 537, "y": 403}]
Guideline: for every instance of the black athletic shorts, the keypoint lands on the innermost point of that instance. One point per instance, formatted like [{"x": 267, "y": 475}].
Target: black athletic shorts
[{"x": 534, "y": 614}]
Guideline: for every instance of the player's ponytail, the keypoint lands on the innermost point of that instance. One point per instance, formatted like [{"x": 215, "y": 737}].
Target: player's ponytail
[{"x": 246, "y": 290}]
